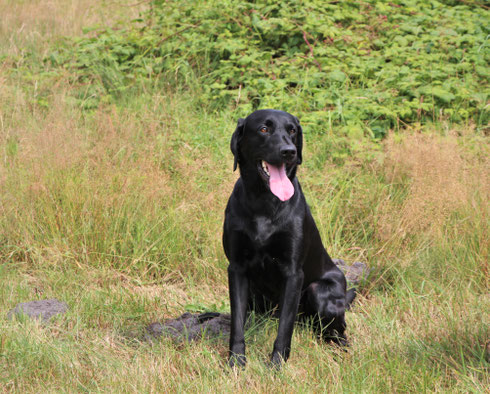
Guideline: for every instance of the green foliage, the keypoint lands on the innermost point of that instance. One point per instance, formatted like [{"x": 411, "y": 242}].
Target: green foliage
[{"x": 366, "y": 66}]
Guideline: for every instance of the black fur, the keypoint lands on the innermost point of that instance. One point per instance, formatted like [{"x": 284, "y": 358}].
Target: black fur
[{"x": 274, "y": 248}]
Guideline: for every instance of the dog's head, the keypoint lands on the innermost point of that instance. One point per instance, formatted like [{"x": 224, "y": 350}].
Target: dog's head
[{"x": 267, "y": 144}]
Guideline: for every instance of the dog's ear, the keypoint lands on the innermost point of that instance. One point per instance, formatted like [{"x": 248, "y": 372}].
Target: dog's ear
[
  {"x": 299, "y": 143},
  {"x": 235, "y": 141}
]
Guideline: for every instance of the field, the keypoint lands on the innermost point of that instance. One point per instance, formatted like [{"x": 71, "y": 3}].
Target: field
[{"x": 114, "y": 180}]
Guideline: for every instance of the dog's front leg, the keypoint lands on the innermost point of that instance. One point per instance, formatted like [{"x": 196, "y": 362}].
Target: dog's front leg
[
  {"x": 238, "y": 285},
  {"x": 288, "y": 308}
]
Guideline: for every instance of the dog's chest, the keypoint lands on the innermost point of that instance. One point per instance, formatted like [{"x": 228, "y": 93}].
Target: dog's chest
[
  {"x": 267, "y": 251},
  {"x": 264, "y": 229}
]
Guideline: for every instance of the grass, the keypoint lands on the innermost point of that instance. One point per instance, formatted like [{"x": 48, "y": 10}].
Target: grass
[{"x": 118, "y": 212}]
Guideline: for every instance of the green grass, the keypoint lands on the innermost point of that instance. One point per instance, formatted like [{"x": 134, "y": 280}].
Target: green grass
[{"x": 118, "y": 212}]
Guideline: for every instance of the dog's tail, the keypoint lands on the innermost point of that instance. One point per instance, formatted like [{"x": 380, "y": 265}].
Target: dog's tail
[{"x": 349, "y": 297}]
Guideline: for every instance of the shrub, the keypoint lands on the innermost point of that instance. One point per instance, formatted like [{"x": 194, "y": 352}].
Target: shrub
[{"x": 365, "y": 66}]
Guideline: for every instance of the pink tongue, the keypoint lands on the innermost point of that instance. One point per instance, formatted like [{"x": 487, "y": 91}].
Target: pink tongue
[{"x": 279, "y": 182}]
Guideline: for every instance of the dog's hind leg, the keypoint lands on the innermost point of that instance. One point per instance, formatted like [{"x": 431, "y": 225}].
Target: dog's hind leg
[
  {"x": 349, "y": 297},
  {"x": 325, "y": 302}
]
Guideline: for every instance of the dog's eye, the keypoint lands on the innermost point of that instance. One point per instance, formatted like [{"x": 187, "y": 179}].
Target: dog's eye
[
  {"x": 264, "y": 129},
  {"x": 292, "y": 131}
]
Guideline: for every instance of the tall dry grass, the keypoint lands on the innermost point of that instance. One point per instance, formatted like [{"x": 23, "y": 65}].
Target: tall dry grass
[
  {"x": 119, "y": 213},
  {"x": 442, "y": 179},
  {"x": 36, "y": 23},
  {"x": 82, "y": 186}
]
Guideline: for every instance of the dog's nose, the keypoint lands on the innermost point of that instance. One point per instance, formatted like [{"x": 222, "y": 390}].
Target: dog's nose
[{"x": 288, "y": 153}]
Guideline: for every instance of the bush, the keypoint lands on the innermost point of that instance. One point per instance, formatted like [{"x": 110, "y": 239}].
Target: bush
[{"x": 366, "y": 66}]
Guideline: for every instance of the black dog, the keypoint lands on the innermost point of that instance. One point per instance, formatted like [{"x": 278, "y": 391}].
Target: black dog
[{"x": 271, "y": 241}]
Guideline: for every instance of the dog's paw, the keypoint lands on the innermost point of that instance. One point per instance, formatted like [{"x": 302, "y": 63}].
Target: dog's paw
[
  {"x": 276, "y": 361},
  {"x": 342, "y": 342},
  {"x": 237, "y": 361},
  {"x": 338, "y": 340}
]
